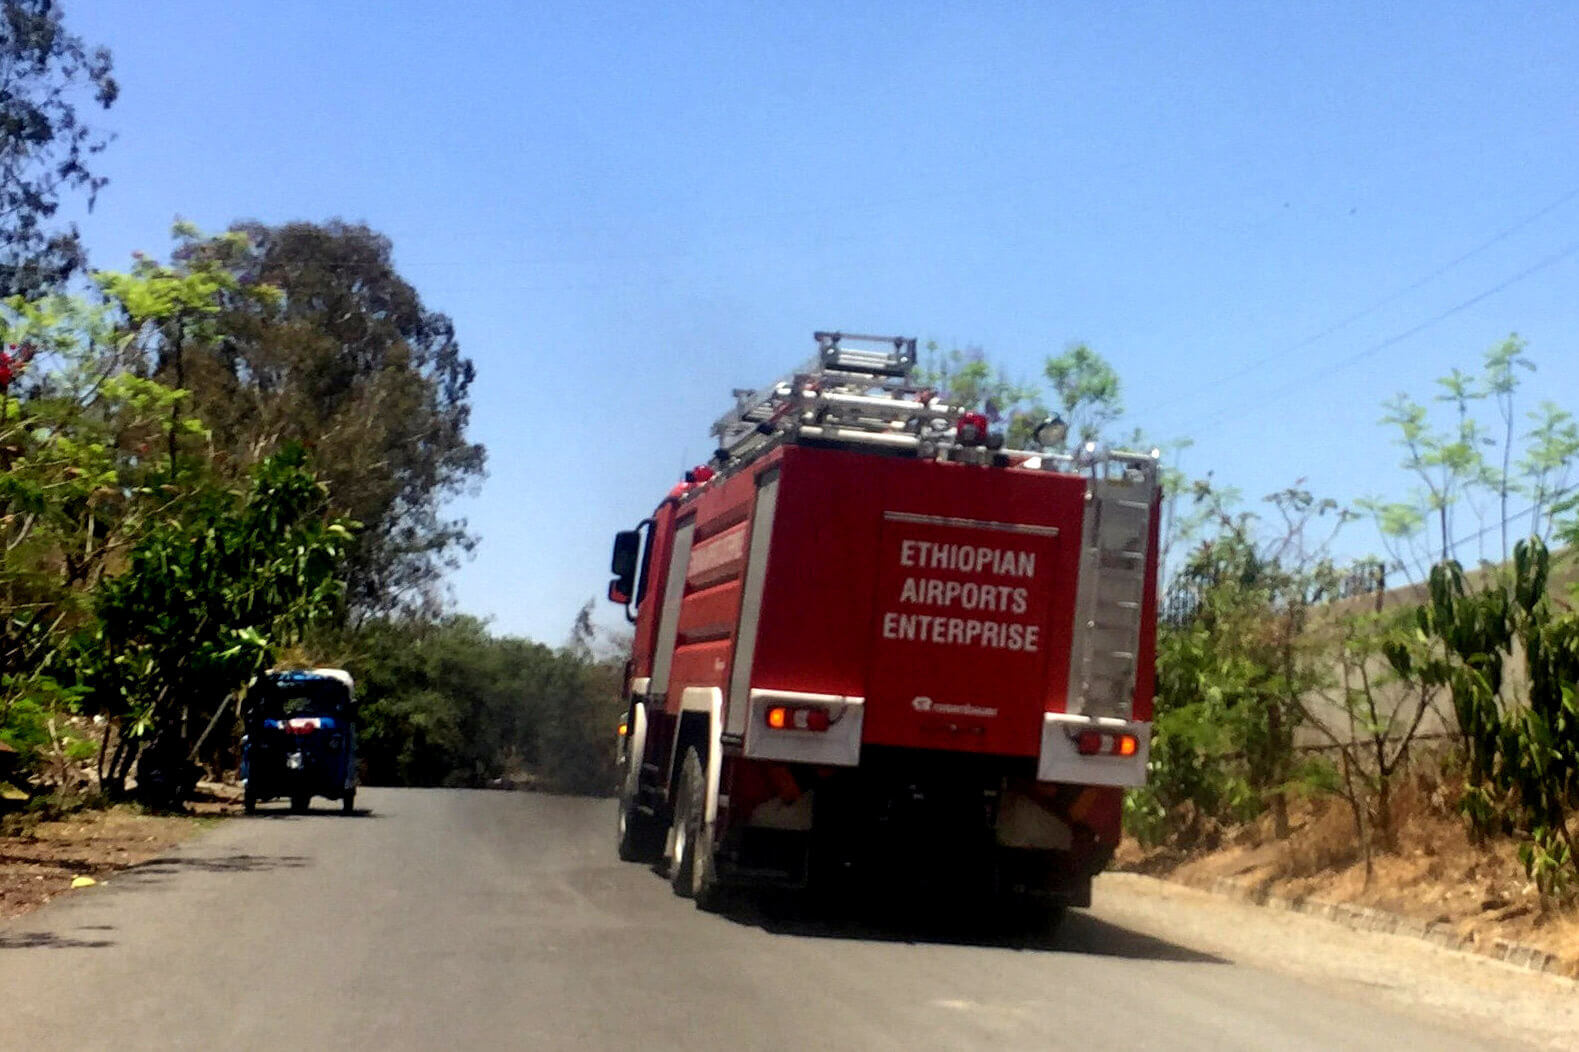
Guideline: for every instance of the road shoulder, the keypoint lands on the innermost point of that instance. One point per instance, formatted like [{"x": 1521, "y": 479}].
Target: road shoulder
[
  {"x": 41, "y": 861},
  {"x": 1479, "y": 994}
]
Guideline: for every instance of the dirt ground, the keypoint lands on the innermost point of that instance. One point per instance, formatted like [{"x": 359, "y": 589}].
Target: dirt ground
[
  {"x": 1436, "y": 873},
  {"x": 41, "y": 861}
]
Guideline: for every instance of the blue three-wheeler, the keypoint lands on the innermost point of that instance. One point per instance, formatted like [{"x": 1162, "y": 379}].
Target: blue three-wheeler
[{"x": 300, "y": 739}]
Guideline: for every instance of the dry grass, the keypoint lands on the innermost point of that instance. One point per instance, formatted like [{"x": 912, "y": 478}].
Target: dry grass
[
  {"x": 39, "y": 860},
  {"x": 1435, "y": 872}
]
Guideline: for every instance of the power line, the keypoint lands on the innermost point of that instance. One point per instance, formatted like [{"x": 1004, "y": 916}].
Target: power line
[
  {"x": 1414, "y": 330},
  {"x": 1547, "y": 502},
  {"x": 1391, "y": 298}
]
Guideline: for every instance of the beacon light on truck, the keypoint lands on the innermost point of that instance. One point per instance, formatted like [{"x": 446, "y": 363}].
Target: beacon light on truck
[{"x": 971, "y": 429}]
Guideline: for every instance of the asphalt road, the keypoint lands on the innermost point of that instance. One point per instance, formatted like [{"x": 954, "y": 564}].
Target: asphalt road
[{"x": 470, "y": 920}]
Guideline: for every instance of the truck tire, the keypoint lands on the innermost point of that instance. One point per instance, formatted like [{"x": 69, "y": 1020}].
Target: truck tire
[
  {"x": 249, "y": 801},
  {"x": 693, "y": 875},
  {"x": 348, "y": 802},
  {"x": 299, "y": 804},
  {"x": 640, "y": 836}
]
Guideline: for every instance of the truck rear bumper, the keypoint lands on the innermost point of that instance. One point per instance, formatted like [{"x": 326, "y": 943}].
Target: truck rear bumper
[
  {"x": 774, "y": 859},
  {"x": 938, "y": 822}
]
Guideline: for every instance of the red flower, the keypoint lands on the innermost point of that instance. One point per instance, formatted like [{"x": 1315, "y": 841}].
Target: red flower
[{"x": 11, "y": 364}]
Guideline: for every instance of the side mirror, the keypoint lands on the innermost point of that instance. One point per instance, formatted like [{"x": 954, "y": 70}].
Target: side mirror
[
  {"x": 627, "y": 546},
  {"x": 622, "y": 564}
]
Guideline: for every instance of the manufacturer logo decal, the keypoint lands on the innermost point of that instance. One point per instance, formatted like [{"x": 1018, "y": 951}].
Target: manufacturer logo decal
[{"x": 922, "y": 703}]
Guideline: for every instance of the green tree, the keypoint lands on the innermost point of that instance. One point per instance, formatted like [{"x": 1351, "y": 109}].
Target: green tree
[
  {"x": 211, "y": 591},
  {"x": 1446, "y": 461},
  {"x": 1450, "y": 460},
  {"x": 1509, "y": 658},
  {"x": 1086, "y": 392},
  {"x": 1083, "y": 388},
  {"x": 968, "y": 380},
  {"x": 1370, "y": 715},
  {"x": 1552, "y": 444},
  {"x": 1236, "y": 662},
  {"x": 349, "y": 360},
  {"x": 1501, "y": 385},
  {"x": 445, "y": 702},
  {"x": 92, "y": 450},
  {"x": 46, "y": 75},
  {"x": 84, "y": 472}
]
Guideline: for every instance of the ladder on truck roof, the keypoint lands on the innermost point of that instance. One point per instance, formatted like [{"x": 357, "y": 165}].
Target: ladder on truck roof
[{"x": 859, "y": 395}]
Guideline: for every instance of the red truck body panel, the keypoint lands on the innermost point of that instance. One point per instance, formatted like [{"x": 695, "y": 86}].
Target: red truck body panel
[
  {"x": 875, "y": 589},
  {"x": 893, "y": 580}
]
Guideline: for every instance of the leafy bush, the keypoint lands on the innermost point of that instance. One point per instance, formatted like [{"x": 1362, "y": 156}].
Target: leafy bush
[
  {"x": 1511, "y": 661},
  {"x": 445, "y": 702}
]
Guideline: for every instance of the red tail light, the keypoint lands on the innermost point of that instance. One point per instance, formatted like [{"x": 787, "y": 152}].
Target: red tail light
[
  {"x": 797, "y": 718},
  {"x": 1096, "y": 743},
  {"x": 972, "y": 429}
]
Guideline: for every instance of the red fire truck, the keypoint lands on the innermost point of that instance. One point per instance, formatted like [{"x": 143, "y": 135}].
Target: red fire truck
[{"x": 868, "y": 636}]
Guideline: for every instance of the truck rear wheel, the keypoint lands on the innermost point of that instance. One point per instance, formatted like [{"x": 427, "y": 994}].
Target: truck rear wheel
[
  {"x": 640, "y": 836},
  {"x": 692, "y": 874}
]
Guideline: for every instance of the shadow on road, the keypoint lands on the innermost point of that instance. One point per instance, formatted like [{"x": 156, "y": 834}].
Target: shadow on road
[
  {"x": 329, "y": 811},
  {"x": 157, "y": 870},
  {"x": 919, "y": 922},
  {"x": 48, "y": 940}
]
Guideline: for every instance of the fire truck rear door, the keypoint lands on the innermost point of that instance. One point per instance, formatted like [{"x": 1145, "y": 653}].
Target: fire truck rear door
[{"x": 960, "y": 634}]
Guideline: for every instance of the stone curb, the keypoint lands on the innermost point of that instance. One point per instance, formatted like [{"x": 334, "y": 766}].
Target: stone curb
[{"x": 1365, "y": 918}]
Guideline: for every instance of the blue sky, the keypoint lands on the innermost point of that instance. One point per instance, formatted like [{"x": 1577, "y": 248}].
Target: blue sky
[{"x": 630, "y": 209}]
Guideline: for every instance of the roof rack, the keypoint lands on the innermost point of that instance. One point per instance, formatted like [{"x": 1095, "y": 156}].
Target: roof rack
[
  {"x": 896, "y": 362},
  {"x": 859, "y": 394},
  {"x": 863, "y": 396}
]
